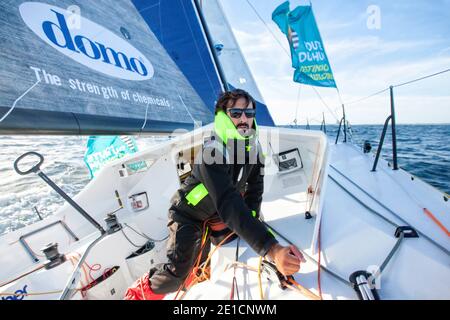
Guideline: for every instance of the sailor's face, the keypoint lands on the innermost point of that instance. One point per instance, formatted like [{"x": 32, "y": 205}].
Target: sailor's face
[{"x": 243, "y": 124}]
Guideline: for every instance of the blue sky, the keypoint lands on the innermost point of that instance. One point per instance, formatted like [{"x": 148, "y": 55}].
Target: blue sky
[{"x": 413, "y": 41}]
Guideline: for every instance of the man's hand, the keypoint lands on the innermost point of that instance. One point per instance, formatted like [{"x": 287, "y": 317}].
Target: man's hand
[{"x": 287, "y": 259}]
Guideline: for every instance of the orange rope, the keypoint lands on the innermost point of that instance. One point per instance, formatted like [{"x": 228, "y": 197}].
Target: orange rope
[
  {"x": 318, "y": 264},
  {"x": 241, "y": 265},
  {"x": 74, "y": 258},
  {"x": 214, "y": 250},
  {"x": 22, "y": 275},
  {"x": 203, "y": 272},
  {"x": 197, "y": 260},
  {"x": 310, "y": 187},
  {"x": 435, "y": 220},
  {"x": 261, "y": 292},
  {"x": 292, "y": 284},
  {"x": 29, "y": 294}
]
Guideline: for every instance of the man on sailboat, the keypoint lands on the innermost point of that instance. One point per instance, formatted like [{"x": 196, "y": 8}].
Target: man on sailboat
[{"x": 220, "y": 199}]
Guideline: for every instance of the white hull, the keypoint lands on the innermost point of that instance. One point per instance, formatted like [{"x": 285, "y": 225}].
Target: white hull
[{"x": 346, "y": 195}]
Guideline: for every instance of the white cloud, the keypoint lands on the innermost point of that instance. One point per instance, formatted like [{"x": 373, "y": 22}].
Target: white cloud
[
  {"x": 372, "y": 45},
  {"x": 363, "y": 81},
  {"x": 273, "y": 73},
  {"x": 408, "y": 109}
]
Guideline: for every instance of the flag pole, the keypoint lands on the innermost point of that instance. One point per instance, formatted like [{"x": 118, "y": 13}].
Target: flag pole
[{"x": 337, "y": 89}]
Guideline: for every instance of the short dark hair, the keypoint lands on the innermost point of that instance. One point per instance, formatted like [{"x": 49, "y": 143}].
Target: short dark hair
[{"x": 233, "y": 96}]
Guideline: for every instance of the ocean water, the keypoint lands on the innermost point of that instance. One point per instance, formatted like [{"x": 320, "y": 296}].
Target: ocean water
[
  {"x": 63, "y": 164},
  {"x": 423, "y": 150}
]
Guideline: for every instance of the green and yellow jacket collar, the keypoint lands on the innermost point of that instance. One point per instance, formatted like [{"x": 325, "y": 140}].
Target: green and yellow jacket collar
[{"x": 225, "y": 129}]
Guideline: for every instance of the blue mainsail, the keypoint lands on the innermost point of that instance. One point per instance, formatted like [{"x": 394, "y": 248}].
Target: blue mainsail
[
  {"x": 95, "y": 74},
  {"x": 177, "y": 25},
  {"x": 148, "y": 69}
]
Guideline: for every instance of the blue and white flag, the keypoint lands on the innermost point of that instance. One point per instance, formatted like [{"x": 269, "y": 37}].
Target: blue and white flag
[
  {"x": 307, "y": 51},
  {"x": 104, "y": 149}
]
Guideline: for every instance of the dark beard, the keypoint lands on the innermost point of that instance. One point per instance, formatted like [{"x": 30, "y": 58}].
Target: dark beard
[{"x": 243, "y": 127}]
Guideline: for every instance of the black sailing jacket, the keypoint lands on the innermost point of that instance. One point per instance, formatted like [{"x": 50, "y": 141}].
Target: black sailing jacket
[{"x": 227, "y": 170}]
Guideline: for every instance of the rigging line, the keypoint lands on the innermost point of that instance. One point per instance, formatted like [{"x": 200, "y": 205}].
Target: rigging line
[
  {"x": 196, "y": 46},
  {"x": 159, "y": 14},
  {"x": 413, "y": 197},
  {"x": 339, "y": 95},
  {"x": 149, "y": 7},
  {"x": 22, "y": 275},
  {"x": 417, "y": 201},
  {"x": 386, "y": 208},
  {"x": 146, "y": 114},
  {"x": 287, "y": 53},
  {"x": 144, "y": 235},
  {"x": 367, "y": 97},
  {"x": 236, "y": 259},
  {"x": 294, "y": 285},
  {"x": 29, "y": 294},
  {"x": 18, "y": 99},
  {"x": 309, "y": 257},
  {"x": 75, "y": 276},
  {"x": 145, "y": 118},
  {"x": 298, "y": 103},
  {"x": 267, "y": 27},
  {"x": 315, "y": 120},
  {"x": 422, "y": 78},
  {"x": 261, "y": 293},
  {"x": 363, "y": 204},
  {"x": 319, "y": 249},
  {"x": 317, "y": 117},
  {"x": 389, "y": 257},
  {"x": 392, "y": 252},
  {"x": 160, "y": 23},
  {"x": 128, "y": 239},
  {"x": 397, "y": 85},
  {"x": 187, "y": 110},
  {"x": 321, "y": 99}
]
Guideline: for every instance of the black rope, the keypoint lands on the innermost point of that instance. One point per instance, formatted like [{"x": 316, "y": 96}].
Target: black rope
[
  {"x": 386, "y": 208},
  {"x": 362, "y": 203},
  {"x": 393, "y": 251},
  {"x": 378, "y": 273},
  {"x": 309, "y": 257},
  {"x": 144, "y": 235},
  {"x": 128, "y": 239}
]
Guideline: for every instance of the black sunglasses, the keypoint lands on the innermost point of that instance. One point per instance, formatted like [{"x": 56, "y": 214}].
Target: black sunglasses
[{"x": 236, "y": 113}]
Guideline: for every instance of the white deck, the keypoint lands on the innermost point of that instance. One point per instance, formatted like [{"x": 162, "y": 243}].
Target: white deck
[{"x": 352, "y": 236}]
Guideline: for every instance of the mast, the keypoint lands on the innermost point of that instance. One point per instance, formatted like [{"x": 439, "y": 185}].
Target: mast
[
  {"x": 203, "y": 24},
  {"x": 232, "y": 60},
  {"x": 337, "y": 89}
]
